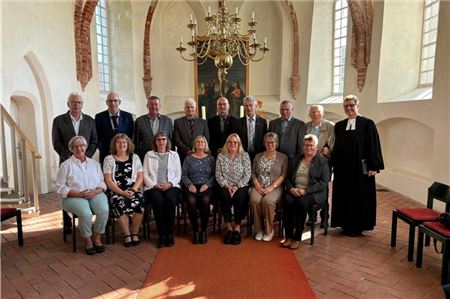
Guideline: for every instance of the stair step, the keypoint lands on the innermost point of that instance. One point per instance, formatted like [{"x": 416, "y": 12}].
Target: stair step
[
  {"x": 29, "y": 212},
  {"x": 4, "y": 191},
  {"x": 12, "y": 200}
]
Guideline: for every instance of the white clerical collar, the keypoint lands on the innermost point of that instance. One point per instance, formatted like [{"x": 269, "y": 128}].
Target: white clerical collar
[{"x": 351, "y": 124}]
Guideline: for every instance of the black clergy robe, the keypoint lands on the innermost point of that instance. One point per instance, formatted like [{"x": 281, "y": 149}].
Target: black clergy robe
[{"x": 354, "y": 194}]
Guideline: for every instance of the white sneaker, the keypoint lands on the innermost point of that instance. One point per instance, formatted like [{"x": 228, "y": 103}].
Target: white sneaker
[
  {"x": 259, "y": 236},
  {"x": 268, "y": 237}
]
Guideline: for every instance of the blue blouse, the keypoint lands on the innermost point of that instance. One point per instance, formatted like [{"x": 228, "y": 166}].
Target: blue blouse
[{"x": 198, "y": 171}]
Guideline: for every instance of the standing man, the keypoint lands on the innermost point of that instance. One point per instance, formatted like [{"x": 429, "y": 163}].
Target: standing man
[
  {"x": 187, "y": 128},
  {"x": 147, "y": 125},
  {"x": 221, "y": 125},
  {"x": 251, "y": 128},
  {"x": 290, "y": 131},
  {"x": 111, "y": 122},
  {"x": 70, "y": 124}
]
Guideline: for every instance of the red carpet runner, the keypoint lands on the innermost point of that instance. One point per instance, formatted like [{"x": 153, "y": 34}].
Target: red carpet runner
[{"x": 250, "y": 270}]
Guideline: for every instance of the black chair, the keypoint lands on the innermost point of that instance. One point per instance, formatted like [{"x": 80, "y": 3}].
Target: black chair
[
  {"x": 7, "y": 213},
  {"x": 416, "y": 216},
  {"x": 74, "y": 231},
  {"x": 315, "y": 208}
]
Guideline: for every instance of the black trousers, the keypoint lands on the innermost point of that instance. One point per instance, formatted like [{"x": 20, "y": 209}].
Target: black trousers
[
  {"x": 294, "y": 213},
  {"x": 163, "y": 204},
  {"x": 196, "y": 204},
  {"x": 239, "y": 202}
]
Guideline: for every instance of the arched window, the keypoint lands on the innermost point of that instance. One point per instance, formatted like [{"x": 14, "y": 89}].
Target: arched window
[
  {"x": 103, "y": 53},
  {"x": 339, "y": 44},
  {"x": 429, "y": 34}
]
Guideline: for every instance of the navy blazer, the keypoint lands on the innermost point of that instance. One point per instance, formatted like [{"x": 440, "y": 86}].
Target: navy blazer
[
  {"x": 182, "y": 134},
  {"x": 106, "y": 132},
  {"x": 63, "y": 131},
  {"x": 143, "y": 134},
  {"x": 217, "y": 139},
  {"x": 319, "y": 176},
  {"x": 260, "y": 131}
]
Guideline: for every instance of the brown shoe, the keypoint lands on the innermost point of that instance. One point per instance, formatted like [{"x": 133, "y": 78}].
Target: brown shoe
[
  {"x": 286, "y": 243},
  {"x": 294, "y": 245}
]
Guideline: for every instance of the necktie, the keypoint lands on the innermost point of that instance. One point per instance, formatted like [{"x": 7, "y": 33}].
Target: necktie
[
  {"x": 222, "y": 124},
  {"x": 191, "y": 126},
  {"x": 251, "y": 134},
  {"x": 115, "y": 122},
  {"x": 284, "y": 126}
]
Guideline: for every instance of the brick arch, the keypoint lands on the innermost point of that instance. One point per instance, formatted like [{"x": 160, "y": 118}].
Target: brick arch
[{"x": 84, "y": 11}]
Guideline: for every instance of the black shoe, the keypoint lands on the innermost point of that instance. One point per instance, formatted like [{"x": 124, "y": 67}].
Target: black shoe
[
  {"x": 169, "y": 241},
  {"x": 236, "y": 238},
  {"x": 100, "y": 248},
  {"x": 196, "y": 238},
  {"x": 228, "y": 237},
  {"x": 161, "y": 242},
  {"x": 135, "y": 242},
  {"x": 203, "y": 238},
  {"x": 91, "y": 251},
  {"x": 125, "y": 242}
]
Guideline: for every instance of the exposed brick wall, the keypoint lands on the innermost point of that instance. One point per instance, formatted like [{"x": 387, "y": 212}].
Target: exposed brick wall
[
  {"x": 82, "y": 22},
  {"x": 147, "y": 79}
]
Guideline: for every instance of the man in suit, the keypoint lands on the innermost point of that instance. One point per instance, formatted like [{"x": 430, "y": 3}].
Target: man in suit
[
  {"x": 70, "y": 124},
  {"x": 221, "y": 125},
  {"x": 251, "y": 128},
  {"x": 290, "y": 131},
  {"x": 147, "y": 125},
  {"x": 111, "y": 122},
  {"x": 187, "y": 128}
]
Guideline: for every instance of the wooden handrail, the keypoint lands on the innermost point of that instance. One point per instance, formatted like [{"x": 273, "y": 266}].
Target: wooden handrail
[{"x": 8, "y": 119}]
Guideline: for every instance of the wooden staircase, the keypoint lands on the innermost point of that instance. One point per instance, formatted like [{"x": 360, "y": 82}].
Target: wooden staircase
[{"x": 19, "y": 186}]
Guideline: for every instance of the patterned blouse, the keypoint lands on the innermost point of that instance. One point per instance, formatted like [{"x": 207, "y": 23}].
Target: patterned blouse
[
  {"x": 265, "y": 167},
  {"x": 198, "y": 171},
  {"x": 234, "y": 172}
]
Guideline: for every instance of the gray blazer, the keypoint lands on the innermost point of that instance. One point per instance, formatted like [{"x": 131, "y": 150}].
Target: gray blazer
[
  {"x": 63, "y": 131},
  {"x": 143, "y": 134},
  {"x": 182, "y": 136},
  {"x": 326, "y": 134},
  {"x": 291, "y": 141}
]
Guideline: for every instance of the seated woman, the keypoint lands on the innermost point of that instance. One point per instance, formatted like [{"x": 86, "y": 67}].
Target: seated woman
[
  {"x": 269, "y": 171},
  {"x": 306, "y": 183},
  {"x": 124, "y": 176},
  {"x": 80, "y": 182},
  {"x": 162, "y": 175},
  {"x": 198, "y": 178},
  {"x": 233, "y": 174}
]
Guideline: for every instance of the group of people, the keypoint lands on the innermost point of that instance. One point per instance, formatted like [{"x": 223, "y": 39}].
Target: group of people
[{"x": 243, "y": 162}]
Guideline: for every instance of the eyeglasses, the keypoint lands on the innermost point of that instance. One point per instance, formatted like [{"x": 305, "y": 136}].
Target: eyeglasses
[
  {"x": 308, "y": 145},
  {"x": 349, "y": 106},
  {"x": 161, "y": 139},
  {"x": 76, "y": 103},
  {"x": 113, "y": 101},
  {"x": 232, "y": 142}
]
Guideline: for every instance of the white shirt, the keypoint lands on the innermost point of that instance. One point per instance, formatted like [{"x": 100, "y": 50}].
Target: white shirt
[
  {"x": 109, "y": 166},
  {"x": 151, "y": 169},
  {"x": 78, "y": 176},
  {"x": 76, "y": 123},
  {"x": 110, "y": 117},
  {"x": 351, "y": 124}
]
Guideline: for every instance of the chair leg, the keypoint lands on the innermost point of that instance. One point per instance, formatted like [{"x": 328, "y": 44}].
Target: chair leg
[
  {"x": 445, "y": 262},
  {"x": 313, "y": 225},
  {"x": 74, "y": 235},
  {"x": 394, "y": 229},
  {"x": 19, "y": 227},
  {"x": 412, "y": 231},
  {"x": 419, "y": 249},
  {"x": 325, "y": 225}
]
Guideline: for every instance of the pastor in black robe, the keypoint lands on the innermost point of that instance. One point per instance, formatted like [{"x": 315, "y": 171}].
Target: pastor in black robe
[{"x": 354, "y": 194}]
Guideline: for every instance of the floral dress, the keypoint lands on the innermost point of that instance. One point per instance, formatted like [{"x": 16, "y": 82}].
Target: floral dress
[{"x": 119, "y": 204}]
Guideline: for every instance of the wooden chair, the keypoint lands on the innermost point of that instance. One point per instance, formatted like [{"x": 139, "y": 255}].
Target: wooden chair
[
  {"x": 313, "y": 214},
  {"x": 7, "y": 213},
  {"x": 416, "y": 216},
  {"x": 74, "y": 231}
]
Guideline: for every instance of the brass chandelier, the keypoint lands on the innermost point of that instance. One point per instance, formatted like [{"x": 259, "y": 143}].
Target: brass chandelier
[{"x": 223, "y": 42}]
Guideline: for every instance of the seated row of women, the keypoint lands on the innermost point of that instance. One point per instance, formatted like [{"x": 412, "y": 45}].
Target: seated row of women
[{"x": 81, "y": 183}]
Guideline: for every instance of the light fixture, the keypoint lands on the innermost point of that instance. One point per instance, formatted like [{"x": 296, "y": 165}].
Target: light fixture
[{"x": 223, "y": 42}]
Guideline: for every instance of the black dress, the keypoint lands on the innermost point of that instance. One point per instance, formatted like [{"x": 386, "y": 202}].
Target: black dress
[
  {"x": 120, "y": 205},
  {"x": 354, "y": 194}
]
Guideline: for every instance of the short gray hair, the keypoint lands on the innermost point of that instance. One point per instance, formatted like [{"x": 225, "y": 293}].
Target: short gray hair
[
  {"x": 271, "y": 135},
  {"x": 190, "y": 101},
  {"x": 76, "y": 139},
  {"x": 311, "y": 137},
  {"x": 250, "y": 99},
  {"x": 319, "y": 107},
  {"x": 73, "y": 94}
]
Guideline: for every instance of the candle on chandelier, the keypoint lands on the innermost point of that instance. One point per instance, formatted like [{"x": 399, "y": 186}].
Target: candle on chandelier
[
  {"x": 203, "y": 112},
  {"x": 209, "y": 11},
  {"x": 241, "y": 111},
  {"x": 191, "y": 19},
  {"x": 265, "y": 41},
  {"x": 237, "y": 11},
  {"x": 253, "y": 16}
]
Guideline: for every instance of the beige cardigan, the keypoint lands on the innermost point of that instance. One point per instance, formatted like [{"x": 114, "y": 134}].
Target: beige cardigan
[{"x": 279, "y": 168}]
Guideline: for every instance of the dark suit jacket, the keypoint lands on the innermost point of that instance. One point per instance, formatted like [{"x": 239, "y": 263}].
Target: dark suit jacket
[
  {"x": 319, "y": 176},
  {"x": 143, "y": 134},
  {"x": 63, "y": 131},
  {"x": 182, "y": 136},
  {"x": 105, "y": 130},
  {"x": 217, "y": 139},
  {"x": 260, "y": 131},
  {"x": 290, "y": 142}
]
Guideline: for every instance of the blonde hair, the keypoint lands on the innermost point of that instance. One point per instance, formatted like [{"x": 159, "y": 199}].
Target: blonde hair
[
  {"x": 130, "y": 144},
  {"x": 352, "y": 97},
  {"x": 206, "y": 143},
  {"x": 225, "y": 146}
]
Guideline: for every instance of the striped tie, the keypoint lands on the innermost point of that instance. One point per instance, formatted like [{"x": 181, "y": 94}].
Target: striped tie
[{"x": 251, "y": 135}]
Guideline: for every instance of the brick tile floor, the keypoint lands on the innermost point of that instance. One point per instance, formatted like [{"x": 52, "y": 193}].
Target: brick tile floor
[{"x": 336, "y": 266}]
